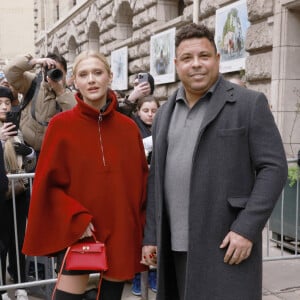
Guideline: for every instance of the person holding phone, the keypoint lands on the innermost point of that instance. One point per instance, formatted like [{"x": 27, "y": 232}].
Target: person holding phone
[
  {"x": 143, "y": 86},
  {"x": 3, "y": 190},
  {"x": 143, "y": 117},
  {"x": 18, "y": 158},
  {"x": 141, "y": 106}
]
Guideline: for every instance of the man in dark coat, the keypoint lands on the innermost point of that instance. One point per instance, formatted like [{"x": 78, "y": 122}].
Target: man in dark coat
[{"x": 217, "y": 170}]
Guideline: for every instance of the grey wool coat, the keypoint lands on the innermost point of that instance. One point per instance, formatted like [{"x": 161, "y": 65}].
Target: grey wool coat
[{"x": 239, "y": 170}]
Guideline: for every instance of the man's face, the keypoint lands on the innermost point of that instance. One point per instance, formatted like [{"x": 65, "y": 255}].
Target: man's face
[{"x": 197, "y": 65}]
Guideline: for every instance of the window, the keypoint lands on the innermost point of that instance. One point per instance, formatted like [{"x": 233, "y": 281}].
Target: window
[{"x": 57, "y": 12}]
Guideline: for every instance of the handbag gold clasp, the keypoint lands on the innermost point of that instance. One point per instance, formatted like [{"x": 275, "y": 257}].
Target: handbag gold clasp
[{"x": 85, "y": 248}]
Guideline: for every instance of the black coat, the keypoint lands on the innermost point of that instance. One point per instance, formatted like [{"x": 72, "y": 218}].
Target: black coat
[
  {"x": 3, "y": 177},
  {"x": 145, "y": 129},
  {"x": 3, "y": 189},
  {"x": 239, "y": 169}
]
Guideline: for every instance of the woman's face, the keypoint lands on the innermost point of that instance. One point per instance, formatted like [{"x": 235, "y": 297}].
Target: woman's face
[
  {"x": 147, "y": 112},
  {"x": 5, "y": 106},
  {"x": 92, "y": 79}
]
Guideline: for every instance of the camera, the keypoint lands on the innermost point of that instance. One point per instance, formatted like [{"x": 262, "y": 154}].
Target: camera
[
  {"x": 54, "y": 74},
  {"x": 143, "y": 77},
  {"x": 13, "y": 117}
]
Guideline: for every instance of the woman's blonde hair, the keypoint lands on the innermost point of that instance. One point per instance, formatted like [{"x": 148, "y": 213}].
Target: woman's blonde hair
[
  {"x": 10, "y": 157},
  {"x": 87, "y": 54}
]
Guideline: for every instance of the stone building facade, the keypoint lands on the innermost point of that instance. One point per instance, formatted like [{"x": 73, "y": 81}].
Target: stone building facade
[
  {"x": 272, "y": 42},
  {"x": 16, "y": 29}
]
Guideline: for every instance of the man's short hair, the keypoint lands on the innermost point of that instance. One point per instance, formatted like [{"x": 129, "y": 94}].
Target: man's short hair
[
  {"x": 58, "y": 58},
  {"x": 193, "y": 30}
]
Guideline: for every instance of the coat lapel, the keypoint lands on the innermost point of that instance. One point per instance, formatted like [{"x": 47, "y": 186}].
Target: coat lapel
[
  {"x": 223, "y": 93},
  {"x": 162, "y": 133}
]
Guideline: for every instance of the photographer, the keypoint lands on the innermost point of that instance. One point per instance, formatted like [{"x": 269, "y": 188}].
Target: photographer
[{"x": 44, "y": 95}]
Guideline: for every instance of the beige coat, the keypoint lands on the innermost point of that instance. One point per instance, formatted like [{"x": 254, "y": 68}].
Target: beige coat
[{"x": 18, "y": 72}]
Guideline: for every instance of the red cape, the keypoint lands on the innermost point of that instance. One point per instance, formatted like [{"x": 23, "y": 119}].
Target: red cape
[{"x": 90, "y": 173}]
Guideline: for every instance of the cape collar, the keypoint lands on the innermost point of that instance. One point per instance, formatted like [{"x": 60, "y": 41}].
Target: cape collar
[{"x": 107, "y": 109}]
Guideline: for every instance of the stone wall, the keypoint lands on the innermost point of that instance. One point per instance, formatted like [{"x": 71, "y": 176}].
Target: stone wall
[
  {"x": 109, "y": 25},
  {"x": 150, "y": 17}
]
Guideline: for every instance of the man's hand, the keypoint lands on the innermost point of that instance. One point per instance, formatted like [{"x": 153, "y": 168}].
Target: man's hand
[
  {"x": 44, "y": 62},
  {"x": 57, "y": 86},
  {"x": 239, "y": 248},
  {"x": 149, "y": 255}
]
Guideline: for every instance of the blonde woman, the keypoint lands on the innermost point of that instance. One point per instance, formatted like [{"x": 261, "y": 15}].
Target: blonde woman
[
  {"x": 91, "y": 176},
  {"x": 18, "y": 158}
]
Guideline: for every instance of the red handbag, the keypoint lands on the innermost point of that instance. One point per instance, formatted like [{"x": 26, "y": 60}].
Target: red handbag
[
  {"x": 90, "y": 256},
  {"x": 87, "y": 256}
]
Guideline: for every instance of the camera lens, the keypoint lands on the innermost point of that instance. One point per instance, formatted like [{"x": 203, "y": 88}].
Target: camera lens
[{"x": 55, "y": 74}]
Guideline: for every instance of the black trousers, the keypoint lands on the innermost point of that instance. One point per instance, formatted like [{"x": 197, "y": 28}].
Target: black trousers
[
  {"x": 7, "y": 235},
  {"x": 180, "y": 259}
]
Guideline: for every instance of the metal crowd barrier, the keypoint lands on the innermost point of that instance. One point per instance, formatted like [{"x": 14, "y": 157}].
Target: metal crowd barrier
[
  {"x": 282, "y": 233},
  {"x": 281, "y": 241}
]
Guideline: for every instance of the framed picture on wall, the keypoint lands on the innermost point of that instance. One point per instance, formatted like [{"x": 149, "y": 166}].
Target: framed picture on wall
[
  {"x": 119, "y": 67},
  {"x": 230, "y": 35},
  {"x": 162, "y": 54}
]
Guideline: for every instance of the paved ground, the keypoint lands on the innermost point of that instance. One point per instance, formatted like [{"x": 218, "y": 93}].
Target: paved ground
[{"x": 281, "y": 280}]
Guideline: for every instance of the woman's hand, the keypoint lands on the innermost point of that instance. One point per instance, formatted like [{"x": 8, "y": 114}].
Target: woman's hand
[
  {"x": 88, "y": 232},
  {"x": 7, "y": 131},
  {"x": 149, "y": 257},
  {"x": 140, "y": 90}
]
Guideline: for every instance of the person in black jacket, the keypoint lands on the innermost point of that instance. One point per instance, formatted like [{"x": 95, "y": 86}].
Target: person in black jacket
[
  {"x": 127, "y": 105},
  {"x": 146, "y": 109},
  {"x": 3, "y": 177},
  {"x": 18, "y": 158},
  {"x": 144, "y": 116},
  {"x": 3, "y": 190}
]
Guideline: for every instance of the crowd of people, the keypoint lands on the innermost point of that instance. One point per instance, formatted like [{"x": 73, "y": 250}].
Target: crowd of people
[{"x": 194, "y": 220}]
